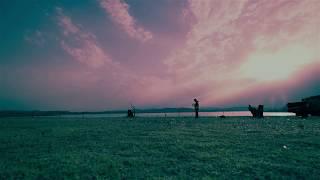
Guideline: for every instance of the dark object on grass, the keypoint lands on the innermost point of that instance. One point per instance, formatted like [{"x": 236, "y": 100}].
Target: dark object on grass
[
  {"x": 222, "y": 116},
  {"x": 130, "y": 114},
  {"x": 308, "y": 106},
  {"x": 256, "y": 112},
  {"x": 196, "y": 107}
]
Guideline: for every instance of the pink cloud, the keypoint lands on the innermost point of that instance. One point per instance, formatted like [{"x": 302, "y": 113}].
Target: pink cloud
[
  {"x": 119, "y": 13},
  {"x": 228, "y": 34},
  {"x": 235, "y": 50},
  {"x": 107, "y": 81},
  {"x": 87, "y": 50},
  {"x": 68, "y": 26}
]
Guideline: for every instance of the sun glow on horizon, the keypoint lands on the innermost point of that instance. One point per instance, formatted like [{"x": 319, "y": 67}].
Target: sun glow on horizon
[{"x": 277, "y": 65}]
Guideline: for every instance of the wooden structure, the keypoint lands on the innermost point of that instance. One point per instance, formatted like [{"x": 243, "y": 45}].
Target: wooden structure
[{"x": 307, "y": 106}]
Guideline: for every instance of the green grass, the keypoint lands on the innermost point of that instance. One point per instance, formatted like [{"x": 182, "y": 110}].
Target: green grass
[{"x": 160, "y": 148}]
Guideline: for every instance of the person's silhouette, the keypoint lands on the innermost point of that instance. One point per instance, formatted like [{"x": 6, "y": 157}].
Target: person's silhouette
[{"x": 196, "y": 107}]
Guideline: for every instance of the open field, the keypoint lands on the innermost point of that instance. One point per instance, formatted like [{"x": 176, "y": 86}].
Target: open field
[{"x": 159, "y": 148}]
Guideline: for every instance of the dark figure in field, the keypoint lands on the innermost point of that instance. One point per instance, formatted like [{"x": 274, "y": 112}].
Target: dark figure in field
[
  {"x": 196, "y": 107},
  {"x": 253, "y": 110},
  {"x": 130, "y": 113},
  {"x": 258, "y": 113}
]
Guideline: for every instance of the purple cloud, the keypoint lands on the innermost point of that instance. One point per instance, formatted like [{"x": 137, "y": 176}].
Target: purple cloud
[
  {"x": 118, "y": 10},
  {"x": 87, "y": 51}
]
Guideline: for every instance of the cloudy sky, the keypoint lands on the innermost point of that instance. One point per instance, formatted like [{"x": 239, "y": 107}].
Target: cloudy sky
[{"x": 107, "y": 54}]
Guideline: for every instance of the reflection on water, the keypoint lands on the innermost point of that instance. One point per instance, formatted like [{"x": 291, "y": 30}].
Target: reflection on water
[{"x": 184, "y": 114}]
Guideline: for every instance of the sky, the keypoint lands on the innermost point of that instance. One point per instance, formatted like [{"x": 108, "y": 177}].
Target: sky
[{"x": 108, "y": 54}]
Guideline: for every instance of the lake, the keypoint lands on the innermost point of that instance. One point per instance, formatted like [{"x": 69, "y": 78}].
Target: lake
[{"x": 183, "y": 114}]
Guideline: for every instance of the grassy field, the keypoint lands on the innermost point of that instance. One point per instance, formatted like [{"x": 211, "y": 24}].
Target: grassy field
[{"x": 160, "y": 148}]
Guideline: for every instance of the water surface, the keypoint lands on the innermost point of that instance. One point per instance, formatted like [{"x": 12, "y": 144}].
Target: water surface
[{"x": 183, "y": 114}]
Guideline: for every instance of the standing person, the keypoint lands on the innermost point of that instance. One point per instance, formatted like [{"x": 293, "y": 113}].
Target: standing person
[{"x": 196, "y": 107}]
